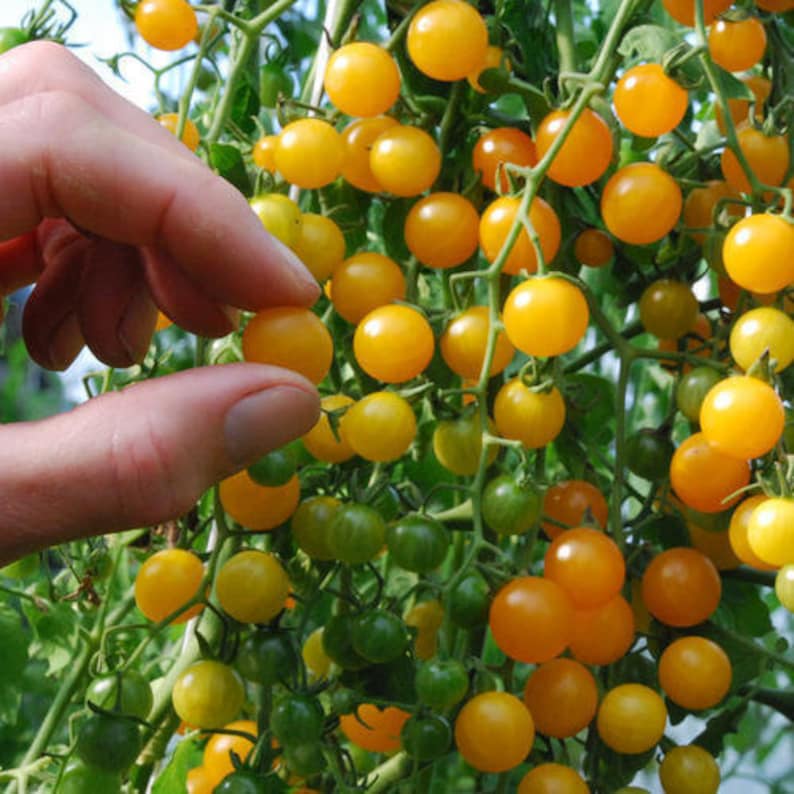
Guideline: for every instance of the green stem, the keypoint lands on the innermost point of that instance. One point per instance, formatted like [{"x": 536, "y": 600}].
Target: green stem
[{"x": 564, "y": 32}]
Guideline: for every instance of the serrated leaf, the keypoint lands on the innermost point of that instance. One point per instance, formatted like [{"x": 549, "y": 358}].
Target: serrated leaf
[
  {"x": 55, "y": 634},
  {"x": 228, "y": 162},
  {"x": 648, "y": 43}
]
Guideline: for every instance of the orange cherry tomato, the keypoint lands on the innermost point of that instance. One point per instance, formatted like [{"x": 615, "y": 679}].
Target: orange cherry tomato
[
  {"x": 166, "y": 24},
  {"x": 760, "y": 330},
  {"x": 405, "y": 160},
  {"x": 264, "y": 153},
  {"x": 532, "y": 417},
  {"x": 739, "y": 109},
  {"x": 631, "y": 718},
  {"x": 738, "y": 530},
  {"x": 357, "y": 139},
  {"x": 309, "y": 153},
  {"x": 380, "y": 426},
  {"x": 258, "y": 507},
  {"x": 190, "y": 134},
  {"x": 494, "y": 59},
  {"x": 552, "y": 779},
  {"x": 374, "y": 730},
  {"x": 695, "y": 673},
  {"x": 441, "y": 230},
  {"x": 700, "y": 204},
  {"x": 737, "y": 46},
  {"x": 716, "y": 545},
  {"x": 217, "y": 754},
  {"x": 683, "y": 11},
  {"x": 464, "y": 341},
  {"x": 604, "y": 634},
  {"x": 199, "y": 781},
  {"x": 767, "y": 156},
  {"x": 362, "y": 79},
  {"x": 593, "y": 248},
  {"x": 689, "y": 770},
  {"x": 648, "y": 102},
  {"x": 500, "y": 146},
  {"x": 572, "y": 503},
  {"x": 320, "y": 245},
  {"x": 167, "y": 581},
  {"x": 365, "y": 282},
  {"x": 320, "y": 441}
]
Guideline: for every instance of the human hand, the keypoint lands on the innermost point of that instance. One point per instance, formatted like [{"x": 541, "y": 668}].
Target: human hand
[{"x": 113, "y": 217}]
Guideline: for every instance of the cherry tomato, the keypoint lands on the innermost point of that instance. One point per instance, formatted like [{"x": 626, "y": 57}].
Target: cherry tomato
[
  {"x": 280, "y": 215},
  {"x": 631, "y": 719},
  {"x": 405, "y": 160},
  {"x": 562, "y": 697},
  {"x": 127, "y": 693},
  {"x": 243, "y": 781},
  {"x": 532, "y": 417},
  {"x": 266, "y": 658},
  {"x": 426, "y": 617},
  {"x": 292, "y": 338},
  {"x": 426, "y": 737},
  {"x": 648, "y": 102},
  {"x": 770, "y": 531},
  {"x": 275, "y": 468},
  {"x": 441, "y": 684},
  {"x": 593, "y": 248},
  {"x": 356, "y": 533},
  {"x": 166, "y": 24},
  {"x": 683, "y": 11},
  {"x": 365, "y": 282},
  {"x": 681, "y": 587},
  {"x": 464, "y": 341},
  {"x": 739, "y": 109},
  {"x": 641, "y": 203},
  {"x": 552, "y": 779},
  {"x": 320, "y": 441},
  {"x": 692, "y": 389},
  {"x": 648, "y": 454},
  {"x": 457, "y": 443},
  {"x": 362, "y": 79},
  {"x": 784, "y": 587},
  {"x": 498, "y": 147},
  {"x": 358, "y": 138},
  {"x": 378, "y": 636},
  {"x": 80, "y": 778},
  {"x": 252, "y": 586},
  {"x": 604, "y": 634},
  {"x": 494, "y": 732},
  {"x": 441, "y": 230},
  {"x": 759, "y": 253},
  {"x": 760, "y": 330},
  {"x": 689, "y": 770},
  {"x": 742, "y": 417},
  {"x": 508, "y": 507},
  {"x": 668, "y": 308},
  {"x": 418, "y": 543},
  {"x": 110, "y": 743},
  {"x": 217, "y": 760},
  {"x": 715, "y": 544},
  {"x": 494, "y": 59},
  {"x": 380, "y": 348},
  {"x": 700, "y": 205},
  {"x": 264, "y": 153},
  {"x": 320, "y": 245},
  {"x": 767, "y": 156},
  {"x": 546, "y": 316},
  {"x": 447, "y": 40},
  {"x": 531, "y": 619},
  {"x": 586, "y": 153},
  {"x": 166, "y": 581},
  {"x": 309, "y": 153},
  {"x": 469, "y": 600},
  {"x": 695, "y": 673},
  {"x": 374, "y": 730},
  {"x": 317, "y": 661},
  {"x": 495, "y": 225},
  {"x": 737, "y": 46},
  {"x": 704, "y": 478},
  {"x": 380, "y": 426},
  {"x": 190, "y": 134},
  {"x": 309, "y": 525},
  {"x": 258, "y": 507},
  {"x": 738, "y": 533},
  {"x": 208, "y": 694},
  {"x": 296, "y": 719},
  {"x": 569, "y": 503}
]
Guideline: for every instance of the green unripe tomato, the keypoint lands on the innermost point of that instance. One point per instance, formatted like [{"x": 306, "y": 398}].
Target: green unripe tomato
[
  {"x": 441, "y": 684},
  {"x": 426, "y": 738},
  {"x": 509, "y": 508},
  {"x": 274, "y": 469},
  {"x": 109, "y": 743},
  {"x": 136, "y": 694}
]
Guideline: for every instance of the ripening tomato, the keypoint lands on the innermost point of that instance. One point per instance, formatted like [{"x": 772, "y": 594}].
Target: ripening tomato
[
  {"x": 441, "y": 230},
  {"x": 374, "y": 730},
  {"x": 552, "y": 779},
  {"x": 365, "y": 282},
  {"x": 738, "y": 531},
  {"x": 770, "y": 531},
  {"x": 447, "y": 40},
  {"x": 562, "y": 697},
  {"x": 648, "y": 102},
  {"x": 495, "y": 58},
  {"x": 252, "y": 586},
  {"x": 208, "y": 694},
  {"x": 393, "y": 343},
  {"x": 784, "y": 587},
  {"x": 593, "y": 248},
  {"x": 280, "y": 215},
  {"x": 494, "y": 732},
  {"x": 190, "y": 134},
  {"x": 572, "y": 503},
  {"x": 495, "y": 225},
  {"x": 689, "y": 770},
  {"x": 357, "y": 139},
  {"x": 763, "y": 330},
  {"x": 700, "y": 204},
  {"x": 695, "y": 673},
  {"x": 320, "y": 245},
  {"x": 380, "y": 426},
  {"x": 310, "y": 523},
  {"x": 317, "y": 661},
  {"x": 681, "y": 587},
  {"x": 309, "y": 153},
  {"x": 498, "y": 147},
  {"x": 586, "y": 153},
  {"x": 604, "y": 634},
  {"x": 641, "y": 203},
  {"x": 217, "y": 760},
  {"x": 464, "y": 342},
  {"x": 668, "y": 308},
  {"x": 692, "y": 389},
  {"x": 767, "y": 156},
  {"x": 362, "y": 79},
  {"x": 166, "y": 24},
  {"x": 742, "y": 417},
  {"x": 264, "y": 153},
  {"x": 739, "y": 109},
  {"x": 737, "y": 45},
  {"x": 534, "y": 418},
  {"x": 704, "y": 478},
  {"x": 289, "y": 337},
  {"x": 198, "y": 781},
  {"x": 405, "y": 160},
  {"x": 759, "y": 253},
  {"x": 715, "y": 544},
  {"x": 426, "y": 617},
  {"x": 546, "y": 316},
  {"x": 167, "y": 581},
  {"x": 320, "y": 441},
  {"x": 258, "y": 507},
  {"x": 631, "y": 719},
  {"x": 587, "y": 564},
  {"x": 531, "y": 619},
  {"x": 683, "y": 11},
  {"x": 457, "y": 444}
]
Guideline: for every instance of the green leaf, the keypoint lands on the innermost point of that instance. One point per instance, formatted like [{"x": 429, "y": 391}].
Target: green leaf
[
  {"x": 732, "y": 87},
  {"x": 55, "y": 634},
  {"x": 648, "y": 43},
  {"x": 13, "y": 659},
  {"x": 742, "y": 608},
  {"x": 172, "y": 780},
  {"x": 228, "y": 162},
  {"x": 245, "y": 105}
]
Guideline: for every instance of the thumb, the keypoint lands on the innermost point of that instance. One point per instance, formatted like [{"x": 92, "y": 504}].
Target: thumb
[{"x": 142, "y": 455}]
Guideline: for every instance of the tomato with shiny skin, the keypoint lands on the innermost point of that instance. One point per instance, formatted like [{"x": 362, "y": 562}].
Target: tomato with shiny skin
[
  {"x": 668, "y": 308},
  {"x": 546, "y": 316},
  {"x": 296, "y": 719},
  {"x": 586, "y": 153},
  {"x": 603, "y": 635},
  {"x": 648, "y": 102},
  {"x": 457, "y": 444},
  {"x": 166, "y": 24},
  {"x": 378, "y": 635},
  {"x": 208, "y": 694},
  {"x": 126, "y": 693},
  {"x": 252, "y": 586},
  {"x": 562, "y": 697},
  {"x": 593, "y": 248},
  {"x": 569, "y": 503},
  {"x": 700, "y": 205},
  {"x": 770, "y": 531},
  {"x": 767, "y": 156},
  {"x": 379, "y": 427},
  {"x": 167, "y": 581},
  {"x": 648, "y": 454},
  {"x": 321, "y": 441},
  {"x": 441, "y": 230},
  {"x": 494, "y": 732},
  {"x": 404, "y": 160},
  {"x": 110, "y": 743},
  {"x": 365, "y": 282},
  {"x": 695, "y": 673},
  {"x": 464, "y": 342},
  {"x": 418, "y": 543},
  {"x": 683, "y": 11},
  {"x": 258, "y": 507},
  {"x": 280, "y": 215},
  {"x": 552, "y": 779},
  {"x": 266, "y": 658},
  {"x": 689, "y": 770},
  {"x": 357, "y": 139},
  {"x": 738, "y": 531},
  {"x": 217, "y": 759},
  {"x": 274, "y": 468},
  {"x": 81, "y": 778},
  {"x": 760, "y": 330},
  {"x": 317, "y": 661},
  {"x": 320, "y": 245},
  {"x": 362, "y": 79},
  {"x": 426, "y": 737},
  {"x": 264, "y": 153},
  {"x": 693, "y": 388},
  {"x": 310, "y": 523},
  {"x": 356, "y": 533},
  {"x": 631, "y": 718},
  {"x": 532, "y": 417},
  {"x": 498, "y": 147},
  {"x": 784, "y": 587},
  {"x": 469, "y": 600},
  {"x": 737, "y": 45},
  {"x": 309, "y": 153},
  {"x": 509, "y": 507},
  {"x": 337, "y": 643},
  {"x": 441, "y": 684}
]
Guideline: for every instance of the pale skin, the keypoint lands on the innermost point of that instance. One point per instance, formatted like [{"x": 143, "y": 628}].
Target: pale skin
[{"x": 112, "y": 217}]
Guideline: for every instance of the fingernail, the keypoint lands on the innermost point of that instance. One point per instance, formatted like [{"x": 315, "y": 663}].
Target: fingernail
[
  {"x": 267, "y": 420},
  {"x": 305, "y": 280},
  {"x": 67, "y": 341}
]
